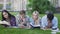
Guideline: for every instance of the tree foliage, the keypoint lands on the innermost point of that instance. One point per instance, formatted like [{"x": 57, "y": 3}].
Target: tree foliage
[{"x": 40, "y": 5}]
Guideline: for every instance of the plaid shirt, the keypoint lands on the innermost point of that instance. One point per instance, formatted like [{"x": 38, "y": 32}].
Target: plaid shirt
[{"x": 19, "y": 20}]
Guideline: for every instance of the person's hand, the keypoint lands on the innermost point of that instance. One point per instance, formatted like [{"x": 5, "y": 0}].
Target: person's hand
[
  {"x": 4, "y": 22},
  {"x": 49, "y": 24},
  {"x": 22, "y": 26},
  {"x": 22, "y": 23},
  {"x": 46, "y": 28}
]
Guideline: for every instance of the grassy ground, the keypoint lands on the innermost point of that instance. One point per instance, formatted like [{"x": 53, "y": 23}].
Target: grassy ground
[{"x": 25, "y": 31}]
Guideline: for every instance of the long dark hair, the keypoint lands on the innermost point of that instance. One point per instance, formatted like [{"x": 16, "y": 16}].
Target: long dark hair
[{"x": 9, "y": 15}]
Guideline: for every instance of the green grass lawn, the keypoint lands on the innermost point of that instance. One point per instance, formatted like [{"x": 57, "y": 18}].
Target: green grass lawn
[{"x": 4, "y": 30}]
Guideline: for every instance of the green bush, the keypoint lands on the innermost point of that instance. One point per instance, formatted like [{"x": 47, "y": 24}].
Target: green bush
[{"x": 40, "y": 5}]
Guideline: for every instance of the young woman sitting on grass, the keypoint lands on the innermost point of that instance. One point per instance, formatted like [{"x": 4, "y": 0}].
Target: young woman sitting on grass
[
  {"x": 7, "y": 17},
  {"x": 22, "y": 20},
  {"x": 35, "y": 20}
]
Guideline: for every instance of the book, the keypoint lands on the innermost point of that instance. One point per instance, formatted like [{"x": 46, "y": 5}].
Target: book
[{"x": 36, "y": 25}]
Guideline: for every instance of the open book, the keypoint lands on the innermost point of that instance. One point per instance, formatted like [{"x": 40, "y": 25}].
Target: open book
[
  {"x": 4, "y": 22},
  {"x": 36, "y": 25}
]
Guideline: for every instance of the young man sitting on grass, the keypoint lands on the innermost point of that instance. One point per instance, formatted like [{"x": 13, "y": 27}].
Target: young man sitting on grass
[{"x": 49, "y": 21}]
